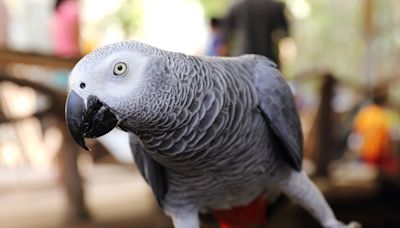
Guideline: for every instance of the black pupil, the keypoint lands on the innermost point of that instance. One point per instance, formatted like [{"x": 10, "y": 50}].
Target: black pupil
[
  {"x": 119, "y": 67},
  {"x": 82, "y": 85}
]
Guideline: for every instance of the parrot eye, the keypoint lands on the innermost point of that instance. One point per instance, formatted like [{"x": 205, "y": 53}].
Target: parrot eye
[{"x": 120, "y": 69}]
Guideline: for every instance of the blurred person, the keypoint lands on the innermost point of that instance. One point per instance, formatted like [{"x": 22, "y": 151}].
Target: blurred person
[
  {"x": 216, "y": 47},
  {"x": 65, "y": 28},
  {"x": 3, "y": 25},
  {"x": 372, "y": 126},
  {"x": 255, "y": 27}
]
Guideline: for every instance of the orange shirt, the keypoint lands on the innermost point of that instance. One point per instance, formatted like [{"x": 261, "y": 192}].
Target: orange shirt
[{"x": 372, "y": 123}]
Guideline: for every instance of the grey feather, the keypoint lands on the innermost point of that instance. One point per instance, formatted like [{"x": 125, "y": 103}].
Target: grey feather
[
  {"x": 278, "y": 106},
  {"x": 152, "y": 172}
]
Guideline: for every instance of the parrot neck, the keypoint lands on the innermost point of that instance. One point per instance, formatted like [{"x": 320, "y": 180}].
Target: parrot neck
[{"x": 175, "y": 121}]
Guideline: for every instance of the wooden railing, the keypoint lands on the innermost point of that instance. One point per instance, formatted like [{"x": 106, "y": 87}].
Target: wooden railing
[{"x": 9, "y": 57}]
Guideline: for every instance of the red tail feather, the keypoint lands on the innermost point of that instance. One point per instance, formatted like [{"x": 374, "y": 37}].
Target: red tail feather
[{"x": 253, "y": 214}]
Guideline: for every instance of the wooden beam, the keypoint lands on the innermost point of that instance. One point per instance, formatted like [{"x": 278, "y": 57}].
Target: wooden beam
[{"x": 12, "y": 57}]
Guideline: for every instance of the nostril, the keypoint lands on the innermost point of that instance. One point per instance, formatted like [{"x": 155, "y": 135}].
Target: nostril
[{"x": 82, "y": 85}]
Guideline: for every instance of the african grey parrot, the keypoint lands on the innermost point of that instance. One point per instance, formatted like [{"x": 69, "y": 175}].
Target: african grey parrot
[{"x": 214, "y": 133}]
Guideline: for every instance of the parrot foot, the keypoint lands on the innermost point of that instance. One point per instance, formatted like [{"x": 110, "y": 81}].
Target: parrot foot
[
  {"x": 353, "y": 225},
  {"x": 338, "y": 224},
  {"x": 185, "y": 219}
]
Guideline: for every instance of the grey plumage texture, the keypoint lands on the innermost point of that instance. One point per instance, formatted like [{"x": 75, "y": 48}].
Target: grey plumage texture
[{"x": 214, "y": 132}]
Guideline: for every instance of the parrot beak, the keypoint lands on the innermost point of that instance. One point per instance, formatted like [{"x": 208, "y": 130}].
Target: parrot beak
[{"x": 91, "y": 121}]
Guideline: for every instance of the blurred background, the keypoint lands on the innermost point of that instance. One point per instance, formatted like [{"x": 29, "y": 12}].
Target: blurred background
[{"x": 341, "y": 58}]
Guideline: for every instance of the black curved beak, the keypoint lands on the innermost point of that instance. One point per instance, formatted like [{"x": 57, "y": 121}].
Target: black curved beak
[{"x": 91, "y": 121}]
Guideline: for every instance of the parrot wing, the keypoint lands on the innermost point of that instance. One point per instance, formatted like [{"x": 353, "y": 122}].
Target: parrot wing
[
  {"x": 152, "y": 171},
  {"x": 277, "y": 105}
]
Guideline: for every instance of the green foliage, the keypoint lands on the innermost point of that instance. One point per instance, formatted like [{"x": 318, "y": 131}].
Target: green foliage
[
  {"x": 332, "y": 37},
  {"x": 214, "y": 8},
  {"x": 130, "y": 16},
  {"x": 329, "y": 38}
]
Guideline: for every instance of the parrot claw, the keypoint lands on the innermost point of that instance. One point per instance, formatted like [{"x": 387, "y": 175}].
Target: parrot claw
[{"x": 352, "y": 224}]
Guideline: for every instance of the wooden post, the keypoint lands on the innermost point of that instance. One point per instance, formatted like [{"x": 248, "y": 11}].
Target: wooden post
[
  {"x": 71, "y": 178},
  {"x": 369, "y": 33},
  {"x": 69, "y": 170},
  {"x": 321, "y": 144}
]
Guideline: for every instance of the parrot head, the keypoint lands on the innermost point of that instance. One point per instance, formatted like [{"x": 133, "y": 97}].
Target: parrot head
[{"x": 105, "y": 87}]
